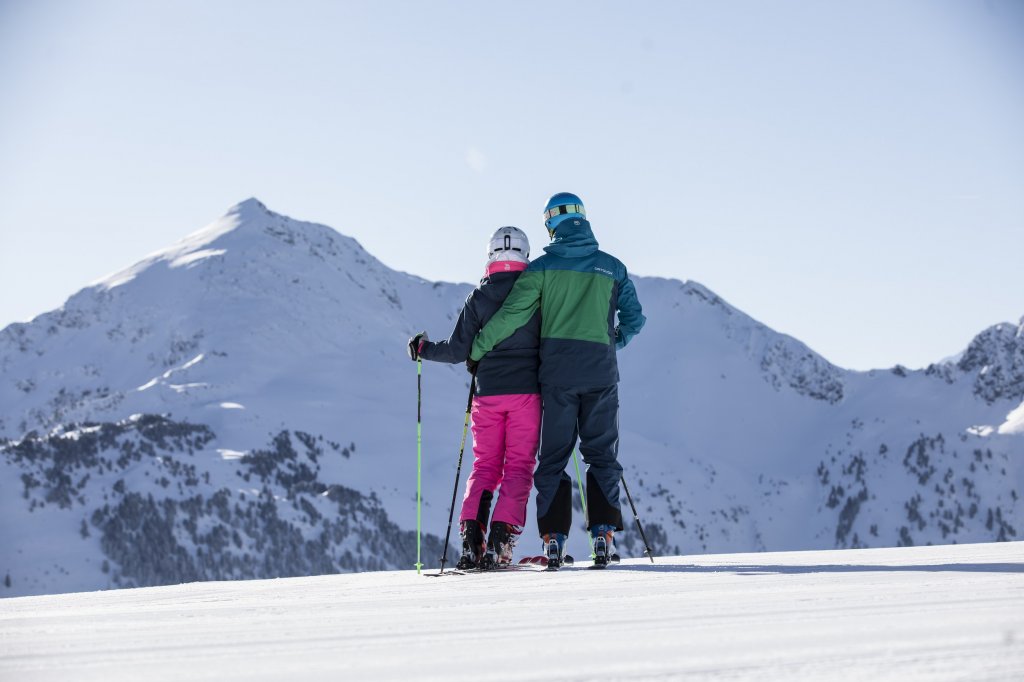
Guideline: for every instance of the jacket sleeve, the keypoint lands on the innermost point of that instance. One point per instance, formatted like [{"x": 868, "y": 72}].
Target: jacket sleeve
[
  {"x": 456, "y": 348},
  {"x": 631, "y": 313},
  {"x": 520, "y": 305}
]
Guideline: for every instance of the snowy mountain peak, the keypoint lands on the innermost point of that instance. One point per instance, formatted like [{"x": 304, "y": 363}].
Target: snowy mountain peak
[
  {"x": 996, "y": 358},
  {"x": 250, "y": 213},
  {"x": 249, "y": 207},
  {"x": 254, "y": 286},
  {"x": 249, "y": 234}
]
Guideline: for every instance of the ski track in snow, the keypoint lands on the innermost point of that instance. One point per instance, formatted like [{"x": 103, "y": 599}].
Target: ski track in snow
[{"x": 909, "y": 614}]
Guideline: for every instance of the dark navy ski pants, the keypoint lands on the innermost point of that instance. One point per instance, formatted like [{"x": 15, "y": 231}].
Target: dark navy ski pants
[{"x": 590, "y": 415}]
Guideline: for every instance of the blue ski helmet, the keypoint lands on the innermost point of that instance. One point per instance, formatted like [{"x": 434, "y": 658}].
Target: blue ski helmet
[{"x": 562, "y": 206}]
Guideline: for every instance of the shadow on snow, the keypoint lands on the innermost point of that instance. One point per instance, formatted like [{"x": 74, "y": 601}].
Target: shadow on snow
[{"x": 757, "y": 569}]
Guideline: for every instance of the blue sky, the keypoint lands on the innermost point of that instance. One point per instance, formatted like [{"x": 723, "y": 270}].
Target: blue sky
[{"x": 851, "y": 173}]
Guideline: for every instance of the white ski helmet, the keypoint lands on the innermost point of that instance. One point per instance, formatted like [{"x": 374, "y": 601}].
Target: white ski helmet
[{"x": 508, "y": 244}]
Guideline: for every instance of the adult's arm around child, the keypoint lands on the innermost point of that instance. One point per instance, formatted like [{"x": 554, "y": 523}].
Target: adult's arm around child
[{"x": 522, "y": 302}]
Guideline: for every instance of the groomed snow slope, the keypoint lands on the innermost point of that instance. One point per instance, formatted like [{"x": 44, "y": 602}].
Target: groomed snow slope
[{"x": 926, "y": 613}]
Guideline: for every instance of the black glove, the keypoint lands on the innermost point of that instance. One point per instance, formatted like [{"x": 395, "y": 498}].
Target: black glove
[
  {"x": 416, "y": 345},
  {"x": 471, "y": 365}
]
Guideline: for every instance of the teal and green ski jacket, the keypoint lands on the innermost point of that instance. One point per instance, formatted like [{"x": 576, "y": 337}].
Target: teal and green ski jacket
[{"x": 578, "y": 290}]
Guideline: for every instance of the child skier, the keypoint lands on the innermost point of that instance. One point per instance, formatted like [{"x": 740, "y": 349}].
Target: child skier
[{"x": 506, "y": 408}]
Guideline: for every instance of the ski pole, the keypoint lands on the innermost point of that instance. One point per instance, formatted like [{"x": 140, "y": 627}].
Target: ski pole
[
  {"x": 458, "y": 469},
  {"x": 583, "y": 501},
  {"x": 419, "y": 460},
  {"x": 647, "y": 547}
]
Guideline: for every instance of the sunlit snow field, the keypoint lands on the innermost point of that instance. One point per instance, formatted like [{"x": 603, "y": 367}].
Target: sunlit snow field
[{"x": 928, "y": 613}]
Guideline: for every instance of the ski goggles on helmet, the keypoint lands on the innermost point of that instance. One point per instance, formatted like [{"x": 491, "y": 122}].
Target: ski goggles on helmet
[{"x": 562, "y": 210}]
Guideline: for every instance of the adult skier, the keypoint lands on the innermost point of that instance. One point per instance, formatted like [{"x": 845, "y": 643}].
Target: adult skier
[
  {"x": 505, "y": 411},
  {"x": 578, "y": 290}
]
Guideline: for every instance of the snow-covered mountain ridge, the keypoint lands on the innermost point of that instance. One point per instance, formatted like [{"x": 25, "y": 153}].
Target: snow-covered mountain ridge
[{"x": 279, "y": 346}]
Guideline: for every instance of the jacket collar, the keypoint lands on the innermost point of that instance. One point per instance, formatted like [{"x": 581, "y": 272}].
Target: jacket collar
[
  {"x": 573, "y": 239},
  {"x": 504, "y": 266}
]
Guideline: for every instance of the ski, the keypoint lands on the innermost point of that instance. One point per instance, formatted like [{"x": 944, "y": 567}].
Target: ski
[
  {"x": 528, "y": 563},
  {"x": 542, "y": 561},
  {"x": 474, "y": 571}
]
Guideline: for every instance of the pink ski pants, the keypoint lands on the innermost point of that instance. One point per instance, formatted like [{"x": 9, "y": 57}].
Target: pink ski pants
[{"x": 506, "y": 431}]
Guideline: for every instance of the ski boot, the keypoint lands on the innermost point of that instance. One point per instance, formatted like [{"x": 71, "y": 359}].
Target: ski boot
[
  {"x": 473, "y": 547},
  {"x": 554, "y": 550},
  {"x": 604, "y": 545},
  {"x": 500, "y": 543}
]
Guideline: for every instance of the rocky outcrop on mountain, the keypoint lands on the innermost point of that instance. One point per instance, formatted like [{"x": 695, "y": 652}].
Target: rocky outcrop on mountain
[
  {"x": 995, "y": 358},
  {"x": 785, "y": 362}
]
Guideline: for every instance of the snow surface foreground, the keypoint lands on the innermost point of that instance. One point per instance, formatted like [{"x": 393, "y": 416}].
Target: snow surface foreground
[{"x": 925, "y": 613}]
